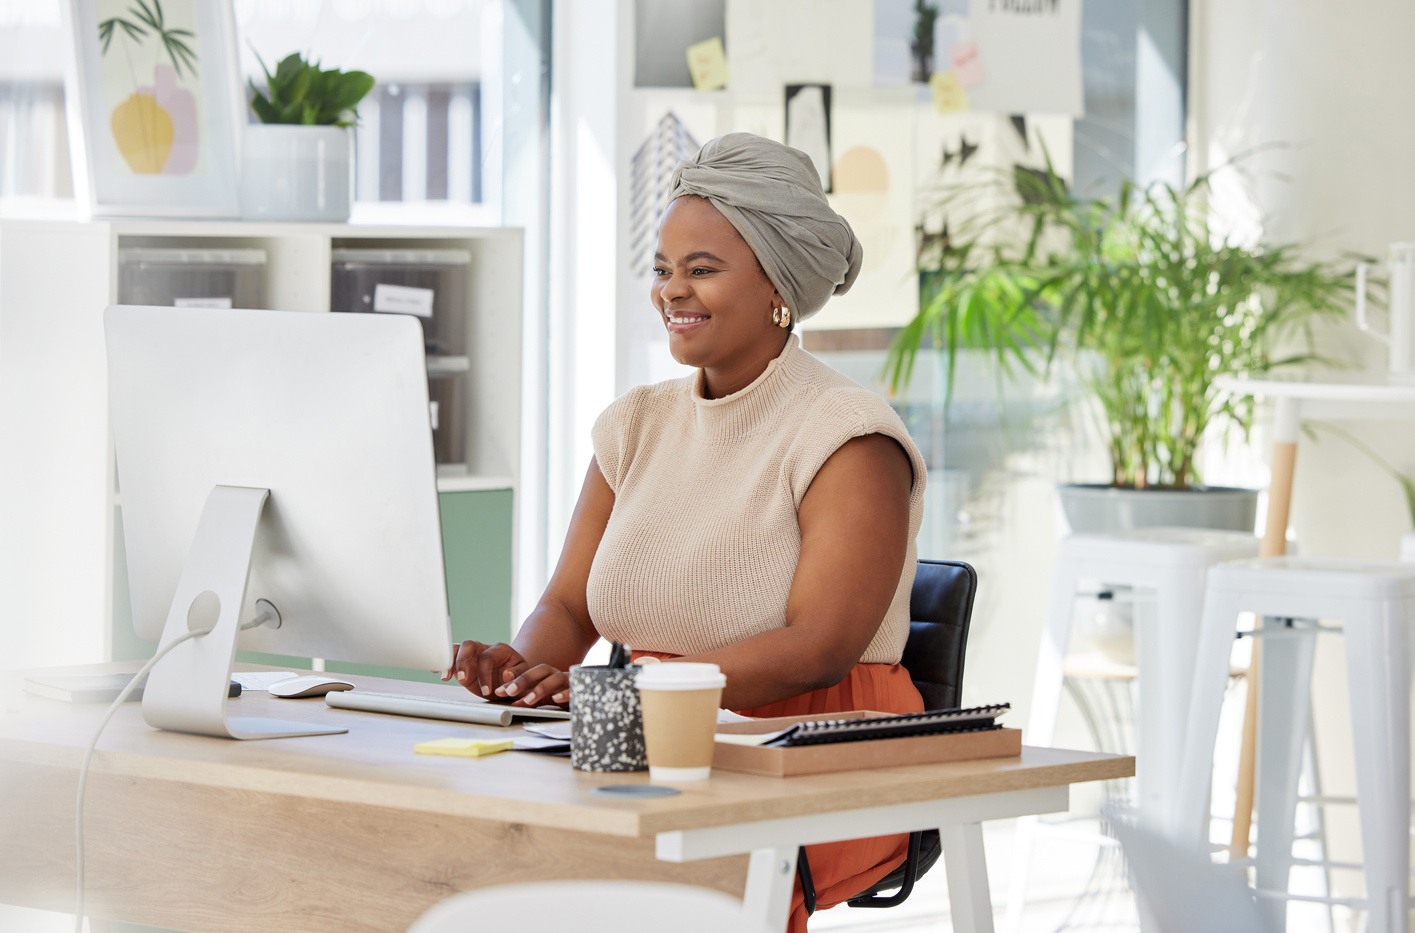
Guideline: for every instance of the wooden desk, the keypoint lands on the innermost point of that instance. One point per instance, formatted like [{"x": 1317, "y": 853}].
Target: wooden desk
[{"x": 354, "y": 832}]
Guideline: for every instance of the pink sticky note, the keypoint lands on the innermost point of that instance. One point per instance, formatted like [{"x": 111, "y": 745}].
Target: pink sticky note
[{"x": 967, "y": 64}]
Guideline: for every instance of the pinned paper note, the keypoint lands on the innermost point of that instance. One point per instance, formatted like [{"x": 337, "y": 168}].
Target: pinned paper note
[
  {"x": 967, "y": 64},
  {"x": 948, "y": 94},
  {"x": 707, "y": 63},
  {"x": 1033, "y": 55}
]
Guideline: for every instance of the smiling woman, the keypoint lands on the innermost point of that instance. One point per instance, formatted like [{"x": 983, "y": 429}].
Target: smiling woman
[
  {"x": 759, "y": 515},
  {"x": 711, "y": 292}
]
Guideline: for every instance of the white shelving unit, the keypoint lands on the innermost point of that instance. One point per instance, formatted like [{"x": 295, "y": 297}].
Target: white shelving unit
[{"x": 57, "y": 484}]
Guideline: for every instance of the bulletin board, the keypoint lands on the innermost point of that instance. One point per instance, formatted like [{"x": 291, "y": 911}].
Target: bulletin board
[{"x": 892, "y": 105}]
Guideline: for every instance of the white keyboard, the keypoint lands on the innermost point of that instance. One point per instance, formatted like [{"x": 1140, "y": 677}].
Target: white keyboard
[{"x": 398, "y": 704}]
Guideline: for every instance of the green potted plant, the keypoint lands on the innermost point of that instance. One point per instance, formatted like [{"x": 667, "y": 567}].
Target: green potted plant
[
  {"x": 298, "y": 160},
  {"x": 1150, "y": 306}
]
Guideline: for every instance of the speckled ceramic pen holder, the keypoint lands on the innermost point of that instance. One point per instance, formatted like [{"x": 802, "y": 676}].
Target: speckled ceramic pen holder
[{"x": 606, "y": 726}]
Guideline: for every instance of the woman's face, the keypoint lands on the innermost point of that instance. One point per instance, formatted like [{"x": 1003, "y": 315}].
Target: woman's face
[{"x": 710, "y": 290}]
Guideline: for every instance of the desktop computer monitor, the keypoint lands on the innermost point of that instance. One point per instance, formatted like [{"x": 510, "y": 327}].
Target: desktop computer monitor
[{"x": 278, "y": 490}]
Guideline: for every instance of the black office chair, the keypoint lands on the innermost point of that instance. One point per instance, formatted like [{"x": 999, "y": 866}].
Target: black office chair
[{"x": 940, "y": 608}]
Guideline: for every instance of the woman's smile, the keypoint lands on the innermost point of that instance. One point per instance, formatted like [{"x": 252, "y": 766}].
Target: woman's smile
[{"x": 685, "y": 322}]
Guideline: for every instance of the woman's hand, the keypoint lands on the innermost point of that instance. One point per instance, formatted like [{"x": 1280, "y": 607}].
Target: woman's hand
[
  {"x": 498, "y": 672},
  {"x": 483, "y": 668},
  {"x": 539, "y": 684}
]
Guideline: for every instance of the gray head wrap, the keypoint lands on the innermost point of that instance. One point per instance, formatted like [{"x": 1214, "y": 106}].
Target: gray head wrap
[{"x": 772, "y": 194}]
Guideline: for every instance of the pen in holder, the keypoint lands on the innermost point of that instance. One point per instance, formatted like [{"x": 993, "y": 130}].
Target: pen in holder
[{"x": 606, "y": 725}]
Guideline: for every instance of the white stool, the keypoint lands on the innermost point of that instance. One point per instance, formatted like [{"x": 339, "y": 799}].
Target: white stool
[
  {"x": 1172, "y": 561},
  {"x": 1375, "y": 601}
]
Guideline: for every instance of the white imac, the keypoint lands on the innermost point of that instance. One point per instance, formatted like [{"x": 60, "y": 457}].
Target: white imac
[{"x": 279, "y": 491}]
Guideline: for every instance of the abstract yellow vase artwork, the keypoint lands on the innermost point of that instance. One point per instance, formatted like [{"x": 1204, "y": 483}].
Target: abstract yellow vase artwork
[{"x": 144, "y": 133}]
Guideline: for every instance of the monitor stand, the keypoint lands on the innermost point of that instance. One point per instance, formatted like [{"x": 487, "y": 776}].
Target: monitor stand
[{"x": 186, "y": 690}]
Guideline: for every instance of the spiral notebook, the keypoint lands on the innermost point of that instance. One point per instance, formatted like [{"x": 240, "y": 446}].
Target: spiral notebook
[{"x": 933, "y": 722}]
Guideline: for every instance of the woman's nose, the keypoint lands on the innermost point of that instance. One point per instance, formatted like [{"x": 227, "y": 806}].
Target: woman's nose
[{"x": 675, "y": 285}]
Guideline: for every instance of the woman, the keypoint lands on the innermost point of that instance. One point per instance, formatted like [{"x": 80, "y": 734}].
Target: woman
[{"x": 759, "y": 515}]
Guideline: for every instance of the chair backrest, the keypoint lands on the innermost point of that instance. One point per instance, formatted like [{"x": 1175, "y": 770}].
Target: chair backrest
[
  {"x": 940, "y": 608},
  {"x": 588, "y": 907}
]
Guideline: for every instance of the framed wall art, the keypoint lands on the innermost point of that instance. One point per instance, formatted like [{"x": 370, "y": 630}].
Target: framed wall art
[{"x": 155, "y": 107}]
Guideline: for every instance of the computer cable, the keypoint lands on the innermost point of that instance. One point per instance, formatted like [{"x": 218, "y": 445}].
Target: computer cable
[
  {"x": 88, "y": 756},
  {"x": 266, "y": 614}
]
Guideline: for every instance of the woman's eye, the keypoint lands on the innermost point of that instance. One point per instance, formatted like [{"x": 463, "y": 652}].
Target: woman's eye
[
  {"x": 659, "y": 272},
  {"x": 701, "y": 271}
]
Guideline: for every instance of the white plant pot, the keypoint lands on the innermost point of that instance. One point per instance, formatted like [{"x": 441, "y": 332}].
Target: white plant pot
[
  {"x": 293, "y": 172},
  {"x": 1407, "y": 547}
]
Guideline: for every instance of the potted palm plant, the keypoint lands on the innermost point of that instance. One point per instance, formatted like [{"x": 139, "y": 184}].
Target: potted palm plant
[
  {"x": 298, "y": 160},
  {"x": 1148, "y": 304}
]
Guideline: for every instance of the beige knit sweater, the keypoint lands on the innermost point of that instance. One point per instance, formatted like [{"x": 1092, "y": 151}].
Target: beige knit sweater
[{"x": 704, "y": 538}]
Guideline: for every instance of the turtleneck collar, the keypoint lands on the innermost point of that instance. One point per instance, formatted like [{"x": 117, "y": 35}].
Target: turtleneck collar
[{"x": 758, "y": 404}]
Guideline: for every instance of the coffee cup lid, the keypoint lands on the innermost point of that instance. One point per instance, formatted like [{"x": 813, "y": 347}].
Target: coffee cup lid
[{"x": 681, "y": 675}]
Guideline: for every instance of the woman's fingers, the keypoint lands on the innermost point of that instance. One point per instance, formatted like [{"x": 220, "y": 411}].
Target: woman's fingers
[
  {"x": 464, "y": 663},
  {"x": 478, "y": 667},
  {"x": 540, "y": 684},
  {"x": 496, "y": 665}
]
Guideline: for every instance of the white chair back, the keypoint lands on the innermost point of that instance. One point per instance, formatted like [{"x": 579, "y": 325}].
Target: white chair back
[{"x": 1182, "y": 890}]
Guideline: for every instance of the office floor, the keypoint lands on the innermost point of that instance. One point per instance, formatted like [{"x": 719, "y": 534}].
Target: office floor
[{"x": 1066, "y": 862}]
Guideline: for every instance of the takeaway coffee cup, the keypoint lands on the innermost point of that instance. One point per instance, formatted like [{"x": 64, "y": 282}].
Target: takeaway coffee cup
[
  {"x": 680, "y": 701},
  {"x": 606, "y": 731}
]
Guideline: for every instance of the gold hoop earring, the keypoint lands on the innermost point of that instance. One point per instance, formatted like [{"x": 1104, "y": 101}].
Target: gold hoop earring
[{"x": 781, "y": 317}]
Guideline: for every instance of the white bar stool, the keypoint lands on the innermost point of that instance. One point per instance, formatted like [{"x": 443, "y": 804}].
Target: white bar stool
[
  {"x": 1173, "y": 562},
  {"x": 1375, "y": 602}
]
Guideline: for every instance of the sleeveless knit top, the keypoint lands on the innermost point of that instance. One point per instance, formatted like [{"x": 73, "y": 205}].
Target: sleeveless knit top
[{"x": 704, "y": 538}]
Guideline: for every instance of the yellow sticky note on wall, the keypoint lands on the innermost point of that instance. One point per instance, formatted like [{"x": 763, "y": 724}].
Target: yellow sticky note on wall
[
  {"x": 948, "y": 93},
  {"x": 463, "y": 748},
  {"x": 707, "y": 63}
]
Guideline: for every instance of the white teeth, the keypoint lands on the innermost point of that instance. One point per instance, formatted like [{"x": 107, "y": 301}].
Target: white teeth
[{"x": 684, "y": 319}]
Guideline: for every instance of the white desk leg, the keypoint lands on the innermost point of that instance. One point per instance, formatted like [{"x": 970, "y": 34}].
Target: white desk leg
[
  {"x": 969, "y": 900},
  {"x": 771, "y": 874}
]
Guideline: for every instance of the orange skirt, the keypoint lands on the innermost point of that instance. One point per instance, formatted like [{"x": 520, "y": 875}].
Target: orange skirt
[{"x": 841, "y": 870}]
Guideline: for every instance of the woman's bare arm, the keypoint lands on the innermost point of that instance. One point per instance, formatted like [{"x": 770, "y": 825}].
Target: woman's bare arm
[
  {"x": 558, "y": 632},
  {"x": 854, "y": 539}
]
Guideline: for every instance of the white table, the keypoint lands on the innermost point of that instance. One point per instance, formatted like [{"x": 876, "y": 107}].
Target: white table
[{"x": 1298, "y": 394}]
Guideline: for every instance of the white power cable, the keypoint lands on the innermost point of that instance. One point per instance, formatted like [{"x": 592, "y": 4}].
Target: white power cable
[{"x": 88, "y": 756}]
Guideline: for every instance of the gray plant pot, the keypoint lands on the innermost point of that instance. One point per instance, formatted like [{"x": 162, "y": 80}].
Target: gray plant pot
[{"x": 1093, "y": 508}]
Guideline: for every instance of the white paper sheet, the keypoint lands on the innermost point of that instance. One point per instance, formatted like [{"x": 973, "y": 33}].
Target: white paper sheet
[{"x": 1030, "y": 54}]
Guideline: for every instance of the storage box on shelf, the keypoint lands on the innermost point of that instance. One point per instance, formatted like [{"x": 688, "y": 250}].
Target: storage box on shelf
[
  {"x": 430, "y": 284},
  {"x": 61, "y": 557},
  {"x": 191, "y": 278}
]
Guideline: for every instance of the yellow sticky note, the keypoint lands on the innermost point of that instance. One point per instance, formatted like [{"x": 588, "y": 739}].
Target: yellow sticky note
[
  {"x": 707, "y": 62},
  {"x": 948, "y": 93},
  {"x": 463, "y": 748}
]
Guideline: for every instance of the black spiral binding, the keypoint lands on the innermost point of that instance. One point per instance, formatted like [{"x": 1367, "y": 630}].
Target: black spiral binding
[{"x": 933, "y": 722}]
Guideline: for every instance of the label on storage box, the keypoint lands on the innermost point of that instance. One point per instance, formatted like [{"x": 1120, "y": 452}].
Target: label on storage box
[
  {"x": 201, "y": 303},
  {"x": 402, "y": 299}
]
